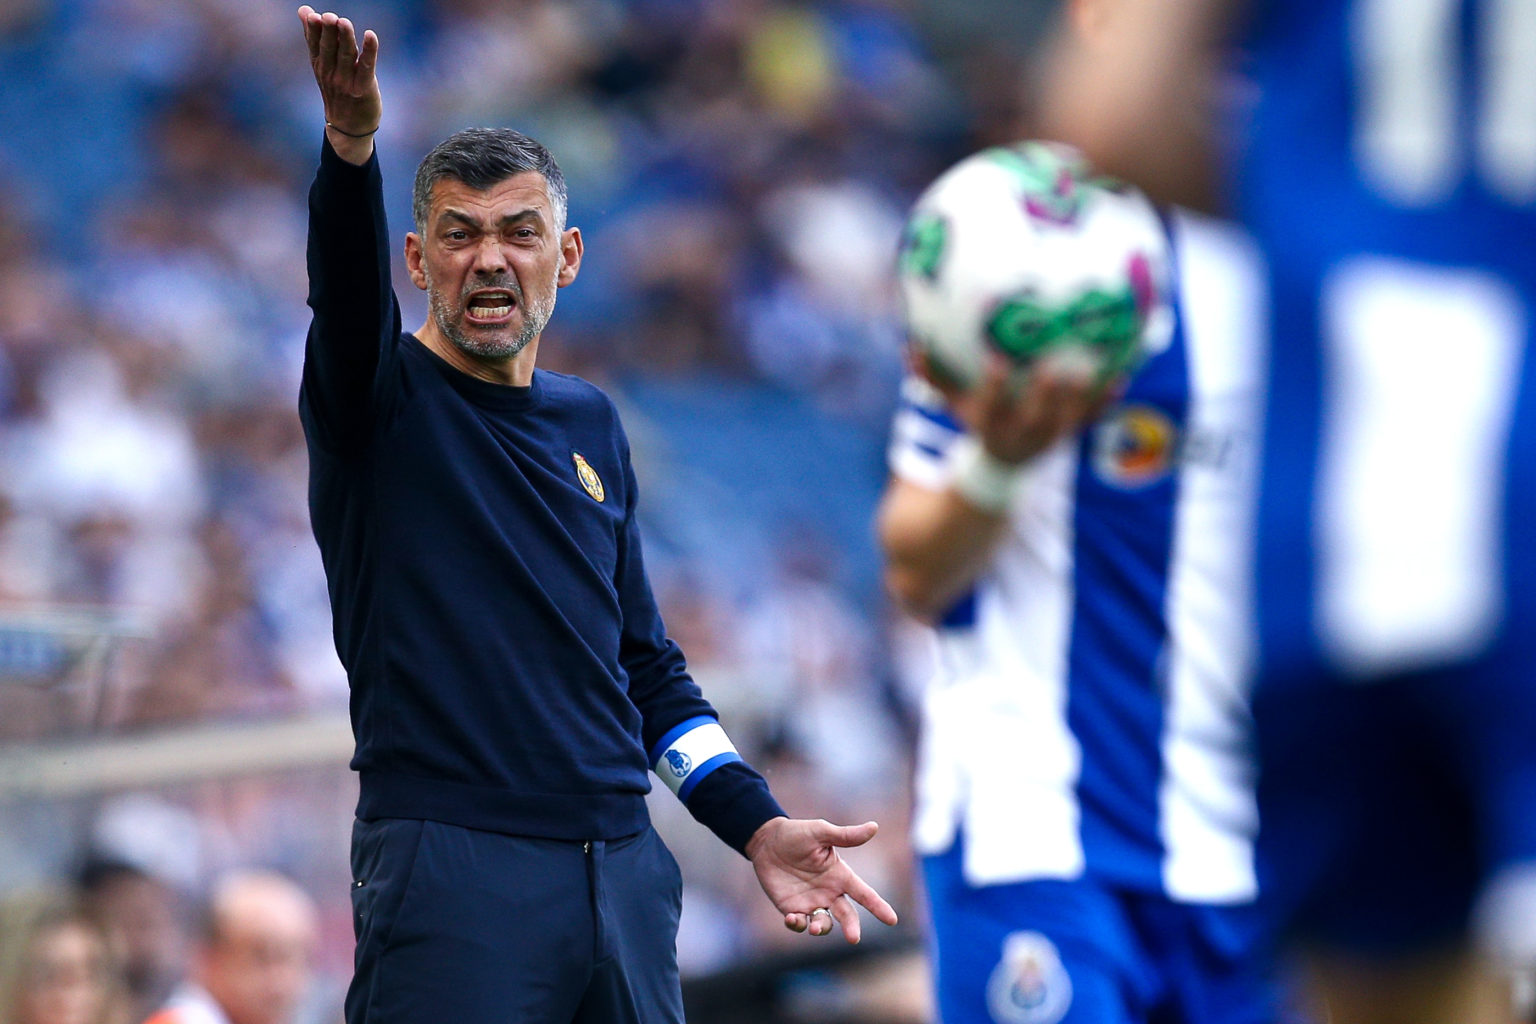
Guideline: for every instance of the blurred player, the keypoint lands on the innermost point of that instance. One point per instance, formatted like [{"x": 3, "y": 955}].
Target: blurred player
[
  {"x": 1387, "y": 166},
  {"x": 1085, "y": 806}
]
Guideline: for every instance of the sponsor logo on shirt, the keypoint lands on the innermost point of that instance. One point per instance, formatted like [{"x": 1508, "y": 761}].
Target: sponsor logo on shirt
[
  {"x": 1029, "y": 985},
  {"x": 590, "y": 481},
  {"x": 1135, "y": 445}
]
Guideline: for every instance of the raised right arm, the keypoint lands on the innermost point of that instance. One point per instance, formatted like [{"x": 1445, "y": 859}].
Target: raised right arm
[{"x": 356, "y": 320}]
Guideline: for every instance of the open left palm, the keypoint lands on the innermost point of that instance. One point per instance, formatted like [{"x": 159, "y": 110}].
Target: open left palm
[{"x": 800, "y": 870}]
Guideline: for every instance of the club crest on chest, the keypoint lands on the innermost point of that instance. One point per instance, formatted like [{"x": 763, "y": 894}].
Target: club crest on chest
[{"x": 590, "y": 481}]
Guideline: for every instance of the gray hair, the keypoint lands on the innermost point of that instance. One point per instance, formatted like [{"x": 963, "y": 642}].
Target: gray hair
[{"x": 482, "y": 158}]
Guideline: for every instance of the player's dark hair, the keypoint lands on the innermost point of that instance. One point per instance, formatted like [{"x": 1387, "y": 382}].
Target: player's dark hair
[{"x": 481, "y": 158}]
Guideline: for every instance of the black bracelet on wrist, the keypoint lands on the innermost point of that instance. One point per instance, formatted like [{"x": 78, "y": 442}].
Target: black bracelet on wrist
[{"x": 348, "y": 134}]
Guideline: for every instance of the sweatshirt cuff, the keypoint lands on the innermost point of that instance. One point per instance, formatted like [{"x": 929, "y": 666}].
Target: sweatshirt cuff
[
  {"x": 733, "y": 801},
  {"x": 332, "y": 163}
]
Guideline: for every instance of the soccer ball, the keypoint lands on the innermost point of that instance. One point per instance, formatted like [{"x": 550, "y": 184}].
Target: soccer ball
[{"x": 1023, "y": 250}]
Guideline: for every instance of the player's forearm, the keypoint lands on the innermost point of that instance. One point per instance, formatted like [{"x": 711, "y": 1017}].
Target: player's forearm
[
  {"x": 1138, "y": 97},
  {"x": 936, "y": 545}
]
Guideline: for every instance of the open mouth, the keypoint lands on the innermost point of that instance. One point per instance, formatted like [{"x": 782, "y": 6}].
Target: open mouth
[{"x": 489, "y": 307}]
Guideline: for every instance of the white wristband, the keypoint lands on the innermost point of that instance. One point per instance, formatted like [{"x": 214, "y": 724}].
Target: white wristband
[{"x": 981, "y": 478}]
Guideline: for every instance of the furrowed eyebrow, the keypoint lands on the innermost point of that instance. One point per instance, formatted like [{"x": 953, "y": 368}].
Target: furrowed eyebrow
[
  {"x": 532, "y": 214},
  {"x": 521, "y": 216},
  {"x": 460, "y": 218}
]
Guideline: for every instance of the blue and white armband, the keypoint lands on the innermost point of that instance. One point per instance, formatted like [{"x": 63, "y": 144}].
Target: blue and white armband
[{"x": 689, "y": 751}]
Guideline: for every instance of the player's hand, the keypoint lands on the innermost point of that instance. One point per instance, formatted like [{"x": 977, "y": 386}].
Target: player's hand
[
  {"x": 1016, "y": 424},
  {"x": 344, "y": 71},
  {"x": 798, "y": 866}
]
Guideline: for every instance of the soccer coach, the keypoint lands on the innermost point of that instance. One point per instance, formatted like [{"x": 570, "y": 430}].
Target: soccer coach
[{"x": 512, "y": 682}]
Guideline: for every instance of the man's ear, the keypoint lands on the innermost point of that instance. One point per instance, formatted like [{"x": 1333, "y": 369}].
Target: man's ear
[
  {"x": 570, "y": 256},
  {"x": 415, "y": 260}
]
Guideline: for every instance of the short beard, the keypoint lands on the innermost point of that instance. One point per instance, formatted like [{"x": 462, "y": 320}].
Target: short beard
[{"x": 535, "y": 319}]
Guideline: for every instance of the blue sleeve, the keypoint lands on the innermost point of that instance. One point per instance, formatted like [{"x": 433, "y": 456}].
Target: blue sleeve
[
  {"x": 355, "y": 328},
  {"x": 733, "y": 799}
]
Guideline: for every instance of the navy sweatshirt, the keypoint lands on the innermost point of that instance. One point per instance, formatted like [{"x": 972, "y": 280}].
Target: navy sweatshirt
[{"x": 509, "y": 668}]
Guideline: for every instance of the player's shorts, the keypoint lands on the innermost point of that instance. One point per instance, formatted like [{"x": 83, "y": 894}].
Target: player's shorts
[
  {"x": 1078, "y": 952},
  {"x": 454, "y": 924},
  {"x": 1385, "y": 807}
]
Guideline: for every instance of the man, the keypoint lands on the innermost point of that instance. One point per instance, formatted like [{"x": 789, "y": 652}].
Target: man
[
  {"x": 254, "y": 959},
  {"x": 511, "y": 676},
  {"x": 145, "y": 921},
  {"x": 1387, "y": 165},
  {"x": 1085, "y": 810}
]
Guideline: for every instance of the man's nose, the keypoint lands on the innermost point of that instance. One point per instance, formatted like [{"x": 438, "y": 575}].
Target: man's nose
[{"x": 489, "y": 257}]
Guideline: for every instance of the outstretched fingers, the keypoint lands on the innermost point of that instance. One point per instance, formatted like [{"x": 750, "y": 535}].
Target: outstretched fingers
[
  {"x": 853, "y": 889},
  {"x": 799, "y": 868},
  {"x": 347, "y": 49},
  {"x": 344, "y": 63},
  {"x": 370, "y": 55},
  {"x": 346, "y": 54},
  {"x": 311, "y": 23},
  {"x": 335, "y": 51},
  {"x": 325, "y": 48},
  {"x": 864, "y": 894},
  {"x": 843, "y": 912},
  {"x": 847, "y": 919}
]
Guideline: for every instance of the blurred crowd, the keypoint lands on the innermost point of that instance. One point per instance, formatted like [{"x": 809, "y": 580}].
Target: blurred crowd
[
  {"x": 122, "y": 946},
  {"x": 740, "y": 169}
]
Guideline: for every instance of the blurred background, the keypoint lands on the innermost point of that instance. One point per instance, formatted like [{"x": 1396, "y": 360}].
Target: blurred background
[{"x": 171, "y": 706}]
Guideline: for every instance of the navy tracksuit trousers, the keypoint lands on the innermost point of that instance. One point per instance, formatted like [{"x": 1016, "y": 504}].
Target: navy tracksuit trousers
[{"x": 455, "y": 924}]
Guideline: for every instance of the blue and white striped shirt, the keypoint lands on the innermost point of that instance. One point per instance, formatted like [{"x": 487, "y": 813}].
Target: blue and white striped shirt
[{"x": 1090, "y": 713}]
